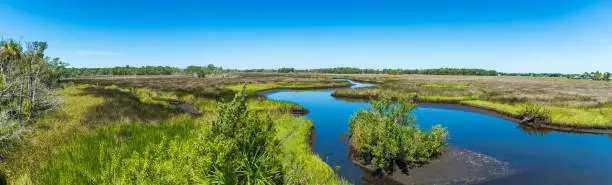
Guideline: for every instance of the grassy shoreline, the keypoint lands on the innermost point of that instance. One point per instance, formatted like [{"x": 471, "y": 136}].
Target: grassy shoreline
[
  {"x": 71, "y": 138},
  {"x": 259, "y": 87},
  {"x": 568, "y": 119},
  {"x": 602, "y": 124}
]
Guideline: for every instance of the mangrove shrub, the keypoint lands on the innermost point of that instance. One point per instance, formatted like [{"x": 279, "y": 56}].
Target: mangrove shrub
[{"x": 385, "y": 134}]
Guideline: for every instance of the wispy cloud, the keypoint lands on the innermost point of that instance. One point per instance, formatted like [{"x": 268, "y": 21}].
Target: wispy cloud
[{"x": 96, "y": 53}]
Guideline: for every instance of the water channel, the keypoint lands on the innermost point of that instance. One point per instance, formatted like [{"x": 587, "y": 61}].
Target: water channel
[{"x": 539, "y": 157}]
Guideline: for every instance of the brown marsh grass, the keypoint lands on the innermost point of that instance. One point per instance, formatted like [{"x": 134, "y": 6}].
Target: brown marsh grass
[{"x": 505, "y": 89}]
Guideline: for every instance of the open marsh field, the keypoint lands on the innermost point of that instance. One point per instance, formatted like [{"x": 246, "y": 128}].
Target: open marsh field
[
  {"x": 125, "y": 121},
  {"x": 318, "y": 92},
  {"x": 493, "y": 150},
  {"x": 181, "y": 83},
  {"x": 570, "y": 102},
  {"x": 112, "y": 135},
  {"x": 587, "y": 99}
]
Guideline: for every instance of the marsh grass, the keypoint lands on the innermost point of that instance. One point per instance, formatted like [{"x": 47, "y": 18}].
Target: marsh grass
[
  {"x": 537, "y": 113},
  {"x": 570, "y": 102},
  {"x": 250, "y": 88},
  {"x": 121, "y": 105},
  {"x": 303, "y": 166},
  {"x": 202, "y": 87},
  {"x": 377, "y": 92},
  {"x": 85, "y": 108},
  {"x": 451, "y": 85},
  {"x": 596, "y": 117},
  {"x": 90, "y": 157},
  {"x": 68, "y": 148}
]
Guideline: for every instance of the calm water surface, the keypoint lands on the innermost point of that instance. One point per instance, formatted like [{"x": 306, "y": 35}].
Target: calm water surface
[{"x": 547, "y": 157}]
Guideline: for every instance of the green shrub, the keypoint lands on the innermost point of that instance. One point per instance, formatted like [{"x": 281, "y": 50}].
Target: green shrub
[
  {"x": 534, "y": 112},
  {"x": 242, "y": 148},
  {"x": 384, "y": 134},
  {"x": 237, "y": 148}
]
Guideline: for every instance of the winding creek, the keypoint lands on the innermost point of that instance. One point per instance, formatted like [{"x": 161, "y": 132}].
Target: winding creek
[{"x": 537, "y": 156}]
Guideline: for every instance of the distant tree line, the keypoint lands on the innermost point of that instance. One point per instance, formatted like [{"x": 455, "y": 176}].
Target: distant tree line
[
  {"x": 594, "y": 76},
  {"x": 536, "y": 74},
  {"x": 199, "y": 71},
  {"x": 211, "y": 70},
  {"x": 352, "y": 70},
  {"x": 127, "y": 70},
  {"x": 606, "y": 76},
  {"x": 27, "y": 77},
  {"x": 285, "y": 70}
]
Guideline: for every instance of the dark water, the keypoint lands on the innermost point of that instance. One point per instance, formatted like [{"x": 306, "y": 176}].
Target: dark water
[{"x": 542, "y": 157}]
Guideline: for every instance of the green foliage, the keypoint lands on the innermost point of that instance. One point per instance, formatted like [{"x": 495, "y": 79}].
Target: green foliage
[
  {"x": 242, "y": 147},
  {"x": 389, "y": 79},
  {"x": 201, "y": 71},
  {"x": 422, "y": 146},
  {"x": 26, "y": 79},
  {"x": 236, "y": 148},
  {"x": 534, "y": 112},
  {"x": 384, "y": 134},
  {"x": 302, "y": 166},
  {"x": 127, "y": 70},
  {"x": 285, "y": 70},
  {"x": 175, "y": 150},
  {"x": 127, "y": 154}
]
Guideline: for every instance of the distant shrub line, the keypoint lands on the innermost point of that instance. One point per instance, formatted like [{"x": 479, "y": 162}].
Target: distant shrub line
[
  {"x": 351, "y": 70},
  {"x": 210, "y": 69},
  {"x": 199, "y": 71}
]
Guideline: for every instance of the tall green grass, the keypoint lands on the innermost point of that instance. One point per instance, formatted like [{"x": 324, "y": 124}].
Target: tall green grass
[
  {"x": 174, "y": 150},
  {"x": 123, "y": 153},
  {"x": 303, "y": 166}
]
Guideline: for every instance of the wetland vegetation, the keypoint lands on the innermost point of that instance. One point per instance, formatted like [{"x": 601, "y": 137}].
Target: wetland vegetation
[
  {"x": 571, "y": 103},
  {"x": 142, "y": 140},
  {"x": 384, "y": 135},
  {"x": 125, "y": 129}
]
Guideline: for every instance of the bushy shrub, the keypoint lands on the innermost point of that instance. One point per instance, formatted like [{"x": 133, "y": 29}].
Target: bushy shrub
[
  {"x": 384, "y": 134},
  {"x": 9, "y": 130},
  {"x": 532, "y": 112},
  {"x": 241, "y": 147},
  {"x": 237, "y": 148}
]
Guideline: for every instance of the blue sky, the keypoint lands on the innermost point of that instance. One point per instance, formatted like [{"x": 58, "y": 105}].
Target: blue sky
[{"x": 570, "y": 36}]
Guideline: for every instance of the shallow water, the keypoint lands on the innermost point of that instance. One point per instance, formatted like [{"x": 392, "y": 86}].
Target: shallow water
[{"x": 542, "y": 157}]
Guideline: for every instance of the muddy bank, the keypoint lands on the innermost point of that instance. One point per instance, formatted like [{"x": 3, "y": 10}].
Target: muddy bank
[
  {"x": 454, "y": 166},
  {"x": 571, "y": 128},
  {"x": 182, "y": 106}
]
